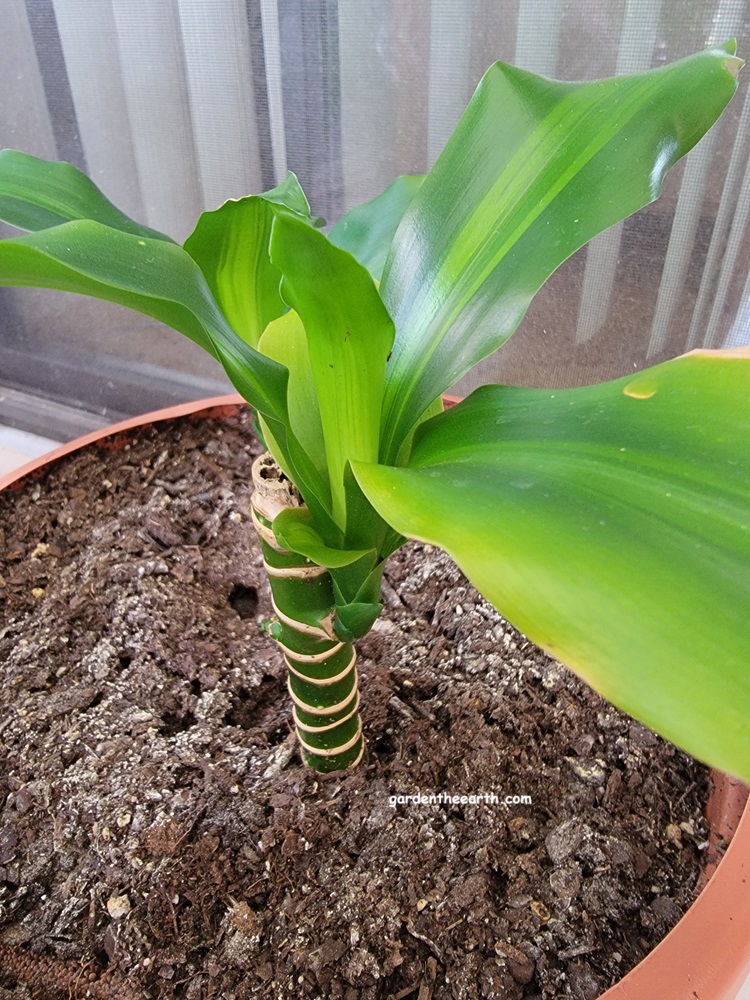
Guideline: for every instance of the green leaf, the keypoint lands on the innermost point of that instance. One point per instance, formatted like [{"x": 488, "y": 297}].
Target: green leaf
[
  {"x": 353, "y": 572},
  {"x": 353, "y": 621},
  {"x": 357, "y": 591},
  {"x": 230, "y": 245},
  {"x": 154, "y": 277},
  {"x": 435, "y": 407},
  {"x": 534, "y": 169},
  {"x": 92, "y": 248},
  {"x": 37, "y": 194},
  {"x": 367, "y": 230},
  {"x": 295, "y": 529},
  {"x": 284, "y": 340},
  {"x": 349, "y": 336},
  {"x": 611, "y": 524}
]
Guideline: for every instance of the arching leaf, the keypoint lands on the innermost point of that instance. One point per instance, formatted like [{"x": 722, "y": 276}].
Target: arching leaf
[
  {"x": 534, "y": 169},
  {"x": 611, "y": 524},
  {"x": 37, "y": 194}
]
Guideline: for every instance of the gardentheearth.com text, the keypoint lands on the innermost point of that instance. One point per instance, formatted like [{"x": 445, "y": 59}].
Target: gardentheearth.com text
[{"x": 446, "y": 799}]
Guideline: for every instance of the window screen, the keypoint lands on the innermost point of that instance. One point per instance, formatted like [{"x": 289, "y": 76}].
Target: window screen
[{"x": 172, "y": 106}]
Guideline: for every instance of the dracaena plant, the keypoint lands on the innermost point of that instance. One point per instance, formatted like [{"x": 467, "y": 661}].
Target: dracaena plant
[{"x": 611, "y": 523}]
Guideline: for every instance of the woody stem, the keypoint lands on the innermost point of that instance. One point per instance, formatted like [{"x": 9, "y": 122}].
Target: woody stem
[{"x": 322, "y": 672}]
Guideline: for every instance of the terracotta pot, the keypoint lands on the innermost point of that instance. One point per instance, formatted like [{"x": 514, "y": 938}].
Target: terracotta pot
[{"x": 706, "y": 956}]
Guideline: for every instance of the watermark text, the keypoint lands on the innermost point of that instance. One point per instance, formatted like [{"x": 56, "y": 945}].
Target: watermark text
[{"x": 446, "y": 799}]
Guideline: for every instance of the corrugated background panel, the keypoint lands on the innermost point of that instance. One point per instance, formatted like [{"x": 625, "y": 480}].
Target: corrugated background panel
[{"x": 172, "y": 106}]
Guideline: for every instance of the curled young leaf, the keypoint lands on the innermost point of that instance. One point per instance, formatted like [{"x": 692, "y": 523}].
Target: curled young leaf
[{"x": 231, "y": 247}]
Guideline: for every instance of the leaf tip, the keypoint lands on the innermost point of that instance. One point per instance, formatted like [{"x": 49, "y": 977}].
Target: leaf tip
[
  {"x": 727, "y": 352},
  {"x": 733, "y": 65}
]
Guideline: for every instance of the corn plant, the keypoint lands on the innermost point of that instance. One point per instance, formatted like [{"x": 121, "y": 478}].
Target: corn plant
[{"x": 611, "y": 523}]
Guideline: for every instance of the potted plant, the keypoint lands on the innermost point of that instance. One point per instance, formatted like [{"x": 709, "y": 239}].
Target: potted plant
[
  {"x": 706, "y": 952},
  {"x": 603, "y": 520}
]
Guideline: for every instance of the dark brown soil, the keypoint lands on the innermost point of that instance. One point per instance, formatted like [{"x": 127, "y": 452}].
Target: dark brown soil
[{"x": 160, "y": 838}]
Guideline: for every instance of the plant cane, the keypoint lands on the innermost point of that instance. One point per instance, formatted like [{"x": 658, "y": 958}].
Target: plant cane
[
  {"x": 611, "y": 522},
  {"x": 322, "y": 669}
]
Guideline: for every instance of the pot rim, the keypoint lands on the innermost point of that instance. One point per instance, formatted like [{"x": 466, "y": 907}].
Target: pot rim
[{"x": 706, "y": 955}]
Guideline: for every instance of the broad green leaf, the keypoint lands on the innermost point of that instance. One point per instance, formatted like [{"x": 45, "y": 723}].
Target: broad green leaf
[
  {"x": 367, "y": 230},
  {"x": 534, "y": 169},
  {"x": 154, "y": 277},
  {"x": 37, "y": 194},
  {"x": 612, "y": 525},
  {"x": 230, "y": 245},
  {"x": 284, "y": 340},
  {"x": 349, "y": 336}
]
